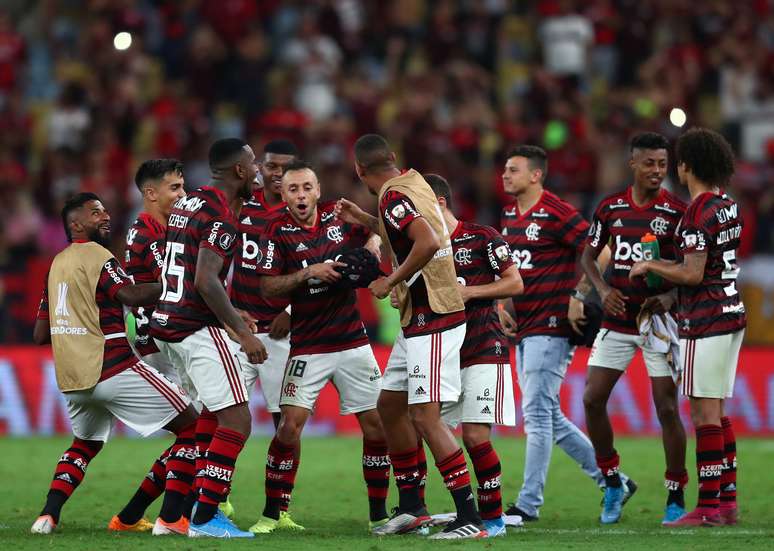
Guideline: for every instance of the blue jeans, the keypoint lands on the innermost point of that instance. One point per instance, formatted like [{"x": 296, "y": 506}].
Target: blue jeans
[{"x": 541, "y": 363}]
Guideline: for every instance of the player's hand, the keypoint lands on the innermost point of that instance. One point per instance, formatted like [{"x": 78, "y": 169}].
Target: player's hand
[
  {"x": 381, "y": 287},
  {"x": 253, "y": 348},
  {"x": 394, "y": 299},
  {"x": 614, "y": 301},
  {"x": 325, "y": 271},
  {"x": 659, "y": 304},
  {"x": 280, "y": 326},
  {"x": 639, "y": 269},
  {"x": 507, "y": 322},
  {"x": 576, "y": 315},
  {"x": 347, "y": 211},
  {"x": 374, "y": 246},
  {"x": 249, "y": 321}
]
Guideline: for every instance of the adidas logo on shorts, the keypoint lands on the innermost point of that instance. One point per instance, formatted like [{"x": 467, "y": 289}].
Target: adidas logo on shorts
[
  {"x": 486, "y": 410},
  {"x": 419, "y": 391}
]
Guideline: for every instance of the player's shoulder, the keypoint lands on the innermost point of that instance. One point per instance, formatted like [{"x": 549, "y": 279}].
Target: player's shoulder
[
  {"x": 704, "y": 206},
  {"x": 671, "y": 203},
  {"x": 618, "y": 199},
  {"x": 281, "y": 224},
  {"x": 148, "y": 227},
  {"x": 479, "y": 229},
  {"x": 552, "y": 204}
]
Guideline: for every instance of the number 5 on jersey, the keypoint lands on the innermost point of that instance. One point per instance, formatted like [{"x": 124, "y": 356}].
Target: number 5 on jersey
[{"x": 172, "y": 270}]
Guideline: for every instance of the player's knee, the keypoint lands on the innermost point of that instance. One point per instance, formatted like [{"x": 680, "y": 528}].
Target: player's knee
[
  {"x": 474, "y": 435},
  {"x": 236, "y": 418},
  {"x": 371, "y": 425},
  {"x": 667, "y": 413},
  {"x": 424, "y": 417},
  {"x": 290, "y": 427},
  {"x": 593, "y": 403},
  {"x": 389, "y": 408}
]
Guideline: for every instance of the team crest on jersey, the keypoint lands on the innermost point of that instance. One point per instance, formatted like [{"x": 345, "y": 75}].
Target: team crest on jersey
[
  {"x": 533, "y": 232},
  {"x": 659, "y": 226},
  {"x": 463, "y": 256},
  {"x": 334, "y": 234},
  {"x": 502, "y": 252},
  {"x": 398, "y": 211}
]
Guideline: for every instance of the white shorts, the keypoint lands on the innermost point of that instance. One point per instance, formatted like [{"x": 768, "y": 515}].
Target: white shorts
[
  {"x": 615, "y": 350},
  {"x": 487, "y": 397},
  {"x": 160, "y": 362},
  {"x": 207, "y": 362},
  {"x": 270, "y": 372},
  {"x": 426, "y": 367},
  {"x": 354, "y": 373},
  {"x": 709, "y": 365},
  {"x": 140, "y": 397}
]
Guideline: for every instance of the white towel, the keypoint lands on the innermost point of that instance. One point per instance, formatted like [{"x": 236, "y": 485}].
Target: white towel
[{"x": 660, "y": 332}]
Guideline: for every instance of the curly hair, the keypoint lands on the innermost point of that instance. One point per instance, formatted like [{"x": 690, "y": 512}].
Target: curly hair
[{"x": 707, "y": 155}]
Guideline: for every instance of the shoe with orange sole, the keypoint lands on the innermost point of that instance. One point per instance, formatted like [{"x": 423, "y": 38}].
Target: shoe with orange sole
[
  {"x": 142, "y": 525},
  {"x": 163, "y": 528}
]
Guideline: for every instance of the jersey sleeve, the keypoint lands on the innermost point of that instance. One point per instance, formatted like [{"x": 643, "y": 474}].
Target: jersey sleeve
[
  {"x": 398, "y": 211},
  {"x": 573, "y": 231},
  {"x": 498, "y": 253},
  {"x": 113, "y": 278},
  {"x": 43, "y": 306},
  {"x": 272, "y": 253},
  {"x": 219, "y": 235},
  {"x": 599, "y": 233},
  {"x": 154, "y": 257},
  {"x": 694, "y": 234}
]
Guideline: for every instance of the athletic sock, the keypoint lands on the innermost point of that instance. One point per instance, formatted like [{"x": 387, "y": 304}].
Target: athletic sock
[
  {"x": 281, "y": 469},
  {"x": 404, "y": 465},
  {"x": 206, "y": 425},
  {"x": 285, "y": 503},
  {"x": 151, "y": 487},
  {"x": 69, "y": 473},
  {"x": 216, "y": 481},
  {"x": 486, "y": 465},
  {"x": 422, "y": 468},
  {"x": 675, "y": 482},
  {"x": 728, "y": 477},
  {"x": 180, "y": 474},
  {"x": 709, "y": 464},
  {"x": 456, "y": 477},
  {"x": 376, "y": 472},
  {"x": 609, "y": 466}
]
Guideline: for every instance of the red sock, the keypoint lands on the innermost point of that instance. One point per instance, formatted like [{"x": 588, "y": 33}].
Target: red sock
[
  {"x": 69, "y": 473},
  {"x": 154, "y": 482},
  {"x": 486, "y": 465},
  {"x": 285, "y": 503},
  {"x": 454, "y": 471},
  {"x": 728, "y": 477},
  {"x": 206, "y": 425},
  {"x": 221, "y": 458},
  {"x": 404, "y": 466},
  {"x": 709, "y": 463},
  {"x": 180, "y": 465},
  {"x": 376, "y": 472},
  {"x": 422, "y": 468},
  {"x": 609, "y": 466},
  {"x": 281, "y": 469}
]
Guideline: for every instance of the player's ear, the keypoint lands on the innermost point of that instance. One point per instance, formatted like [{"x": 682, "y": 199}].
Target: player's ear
[{"x": 359, "y": 170}]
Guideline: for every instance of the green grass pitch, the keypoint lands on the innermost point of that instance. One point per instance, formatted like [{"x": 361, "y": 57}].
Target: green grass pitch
[{"x": 330, "y": 500}]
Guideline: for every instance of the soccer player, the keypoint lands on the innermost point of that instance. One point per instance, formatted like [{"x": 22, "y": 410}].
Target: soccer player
[
  {"x": 546, "y": 237},
  {"x": 161, "y": 183},
  {"x": 424, "y": 367},
  {"x": 711, "y": 315},
  {"x": 81, "y": 315},
  {"x": 188, "y": 325},
  {"x": 328, "y": 341},
  {"x": 485, "y": 271},
  {"x": 623, "y": 218}
]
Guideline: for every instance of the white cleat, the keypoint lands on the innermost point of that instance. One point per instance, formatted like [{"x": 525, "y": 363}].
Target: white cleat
[
  {"x": 43, "y": 525},
  {"x": 460, "y": 530}
]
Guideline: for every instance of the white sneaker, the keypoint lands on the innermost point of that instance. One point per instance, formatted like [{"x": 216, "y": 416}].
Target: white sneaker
[{"x": 43, "y": 525}]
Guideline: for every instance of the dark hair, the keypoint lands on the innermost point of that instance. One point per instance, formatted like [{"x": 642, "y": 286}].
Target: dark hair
[
  {"x": 372, "y": 152},
  {"x": 440, "y": 187},
  {"x": 707, "y": 155},
  {"x": 297, "y": 164},
  {"x": 74, "y": 203},
  {"x": 225, "y": 152},
  {"x": 281, "y": 147},
  {"x": 536, "y": 157},
  {"x": 156, "y": 169},
  {"x": 649, "y": 140}
]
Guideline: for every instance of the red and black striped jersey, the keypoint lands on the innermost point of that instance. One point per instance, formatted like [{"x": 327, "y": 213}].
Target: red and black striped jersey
[
  {"x": 546, "y": 243},
  {"x": 144, "y": 259},
  {"x": 619, "y": 222},
  {"x": 117, "y": 355},
  {"x": 480, "y": 254},
  {"x": 712, "y": 224},
  {"x": 245, "y": 290},
  {"x": 398, "y": 211},
  {"x": 324, "y": 318},
  {"x": 202, "y": 219}
]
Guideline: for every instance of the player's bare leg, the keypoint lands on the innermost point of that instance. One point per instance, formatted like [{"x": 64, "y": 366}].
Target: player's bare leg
[
  {"x": 376, "y": 466},
  {"x": 673, "y": 438}
]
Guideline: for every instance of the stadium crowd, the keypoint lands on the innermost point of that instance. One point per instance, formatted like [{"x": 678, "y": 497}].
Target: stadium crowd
[{"x": 452, "y": 84}]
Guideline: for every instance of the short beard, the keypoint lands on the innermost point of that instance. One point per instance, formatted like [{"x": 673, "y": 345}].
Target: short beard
[{"x": 96, "y": 236}]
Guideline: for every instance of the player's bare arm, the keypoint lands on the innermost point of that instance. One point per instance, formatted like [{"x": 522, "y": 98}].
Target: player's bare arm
[
  {"x": 576, "y": 314},
  {"x": 613, "y": 300},
  {"x": 660, "y": 304},
  {"x": 349, "y": 212},
  {"x": 689, "y": 273},
  {"x": 209, "y": 286},
  {"x": 509, "y": 285},
  {"x": 507, "y": 322},
  {"x": 141, "y": 294},
  {"x": 41, "y": 333},
  {"x": 425, "y": 244},
  {"x": 374, "y": 245},
  {"x": 283, "y": 285}
]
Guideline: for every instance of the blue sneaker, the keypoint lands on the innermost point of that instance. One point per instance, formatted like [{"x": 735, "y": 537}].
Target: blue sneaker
[
  {"x": 611, "y": 507},
  {"x": 672, "y": 512},
  {"x": 218, "y": 526},
  {"x": 495, "y": 527}
]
